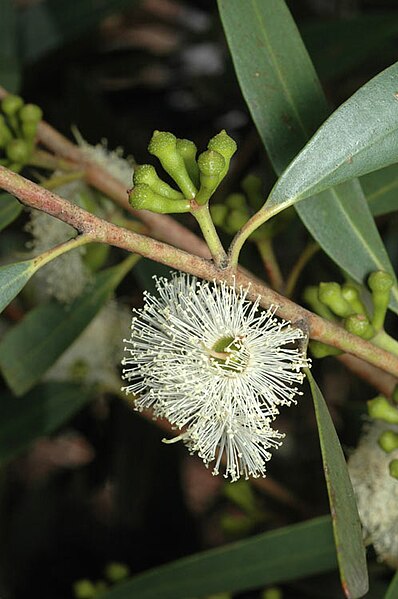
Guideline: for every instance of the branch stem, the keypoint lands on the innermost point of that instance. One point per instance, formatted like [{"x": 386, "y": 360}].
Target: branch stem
[{"x": 97, "y": 229}]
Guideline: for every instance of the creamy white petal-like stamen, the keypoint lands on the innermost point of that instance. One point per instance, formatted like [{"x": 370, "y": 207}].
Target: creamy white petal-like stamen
[{"x": 210, "y": 361}]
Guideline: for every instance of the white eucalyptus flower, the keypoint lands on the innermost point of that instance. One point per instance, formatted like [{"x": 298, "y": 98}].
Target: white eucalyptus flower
[
  {"x": 65, "y": 277},
  {"x": 93, "y": 358},
  {"x": 211, "y": 362},
  {"x": 376, "y": 491}
]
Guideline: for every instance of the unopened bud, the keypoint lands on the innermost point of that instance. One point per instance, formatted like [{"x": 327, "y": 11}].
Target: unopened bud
[
  {"x": 11, "y": 104},
  {"x": 142, "y": 197},
  {"x": 163, "y": 145},
  {"x": 380, "y": 408},
  {"x": 352, "y": 296},
  {"x": 380, "y": 283},
  {"x": 147, "y": 174},
  {"x": 218, "y": 213},
  {"x": 236, "y": 200},
  {"x": 321, "y": 350},
  {"x": 311, "y": 297},
  {"x": 188, "y": 150},
  {"x": 358, "y": 324},
  {"x": 31, "y": 113},
  {"x": 252, "y": 185},
  {"x": 224, "y": 145},
  {"x": 330, "y": 294},
  {"x": 210, "y": 164},
  {"x": 388, "y": 441},
  {"x": 393, "y": 468},
  {"x": 18, "y": 151}
]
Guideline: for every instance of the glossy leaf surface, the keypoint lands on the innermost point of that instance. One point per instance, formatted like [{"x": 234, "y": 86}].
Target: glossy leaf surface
[
  {"x": 346, "y": 525},
  {"x": 287, "y": 104},
  {"x": 10, "y": 209},
  {"x": 281, "y": 555},
  {"x": 13, "y": 277},
  {"x": 29, "y": 349}
]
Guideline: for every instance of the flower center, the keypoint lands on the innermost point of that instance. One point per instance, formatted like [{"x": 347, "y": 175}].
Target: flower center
[{"x": 228, "y": 354}]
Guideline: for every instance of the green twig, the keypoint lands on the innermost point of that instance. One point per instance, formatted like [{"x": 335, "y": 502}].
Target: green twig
[
  {"x": 311, "y": 249},
  {"x": 270, "y": 263}
]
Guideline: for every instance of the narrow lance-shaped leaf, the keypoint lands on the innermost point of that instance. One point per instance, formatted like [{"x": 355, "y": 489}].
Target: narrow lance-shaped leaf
[
  {"x": 346, "y": 525},
  {"x": 287, "y": 104},
  {"x": 29, "y": 349},
  {"x": 42, "y": 411},
  {"x": 10, "y": 209},
  {"x": 392, "y": 592},
  {"x": 358, "y": 138},
  {"x": 272, "y": 557},
  {"x": 13, "y": 277},
  {"x": 381, "y": 190}
]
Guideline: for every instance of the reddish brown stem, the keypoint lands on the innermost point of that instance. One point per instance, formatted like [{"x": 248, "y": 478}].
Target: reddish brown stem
[{"x": 34, "y": 196}]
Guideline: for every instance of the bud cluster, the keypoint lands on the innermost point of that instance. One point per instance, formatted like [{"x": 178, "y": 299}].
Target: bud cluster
[
  {"x": 344, "y": 303},
  {"x": 196, "y": 178},
  {"x": 18, "y": 128},
  {"x": 235, "y": 211}
]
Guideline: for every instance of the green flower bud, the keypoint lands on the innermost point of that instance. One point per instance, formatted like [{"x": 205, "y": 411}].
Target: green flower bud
[
  {"x": 393, "y": 468},
  {"x": 210, "y": 164},
  {"x": 224, "y": 145},
  {"x": 163, "y": 145},
  {"x": 11, "y": 104},
  {"x": 147, "y": 174},
  {"x": 218, "y": 213},
  {"x": 236, "y": 200},
  {"x": 188, "y": 150},
  {"x": 235, "y": 220},
  {"x": 252, "y": 186},
  {"x": 358, "y": 324},
  {"x": 380, "y": 283},
  {"x": 31, "y": 113},
  {"x": 272, "y": 593},
  {"x": 352, "y": 296},
  {"x": 388, "y": 441},
  {"x": 18, "y": 151},
  {"x": 321, "y": 350},
  {"x": 29, "y": 130},
  {"x": 116, "y": 571},
  {"x": 380, "y": 408},
  {"x": 330, "y": 294},
  {"x": 310, "y": 296},
  {"x": 84, "y": 589},
  {"x": 5, "y": 133},
  {"x": 142, "y": 197}
]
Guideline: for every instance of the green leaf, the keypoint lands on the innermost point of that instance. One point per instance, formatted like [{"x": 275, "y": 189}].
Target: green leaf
[
  {"x": 392, "y": 592},
  {"x": 286, "y": 554},
  {"x": 10, "y": 209},
  {"x": 9, "y": 61},
  {"x": 381, "y": 190},
  {"x": 30, "y": 348},
  {"x": 358, "y": 138},
  {"x": 39, "y": 413},
  {"x": 13, "y": 277},
  {"x": 346, "y": 525},
  {"x": 337, "y": 47},
  {"x": 287, "y": 104}
]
